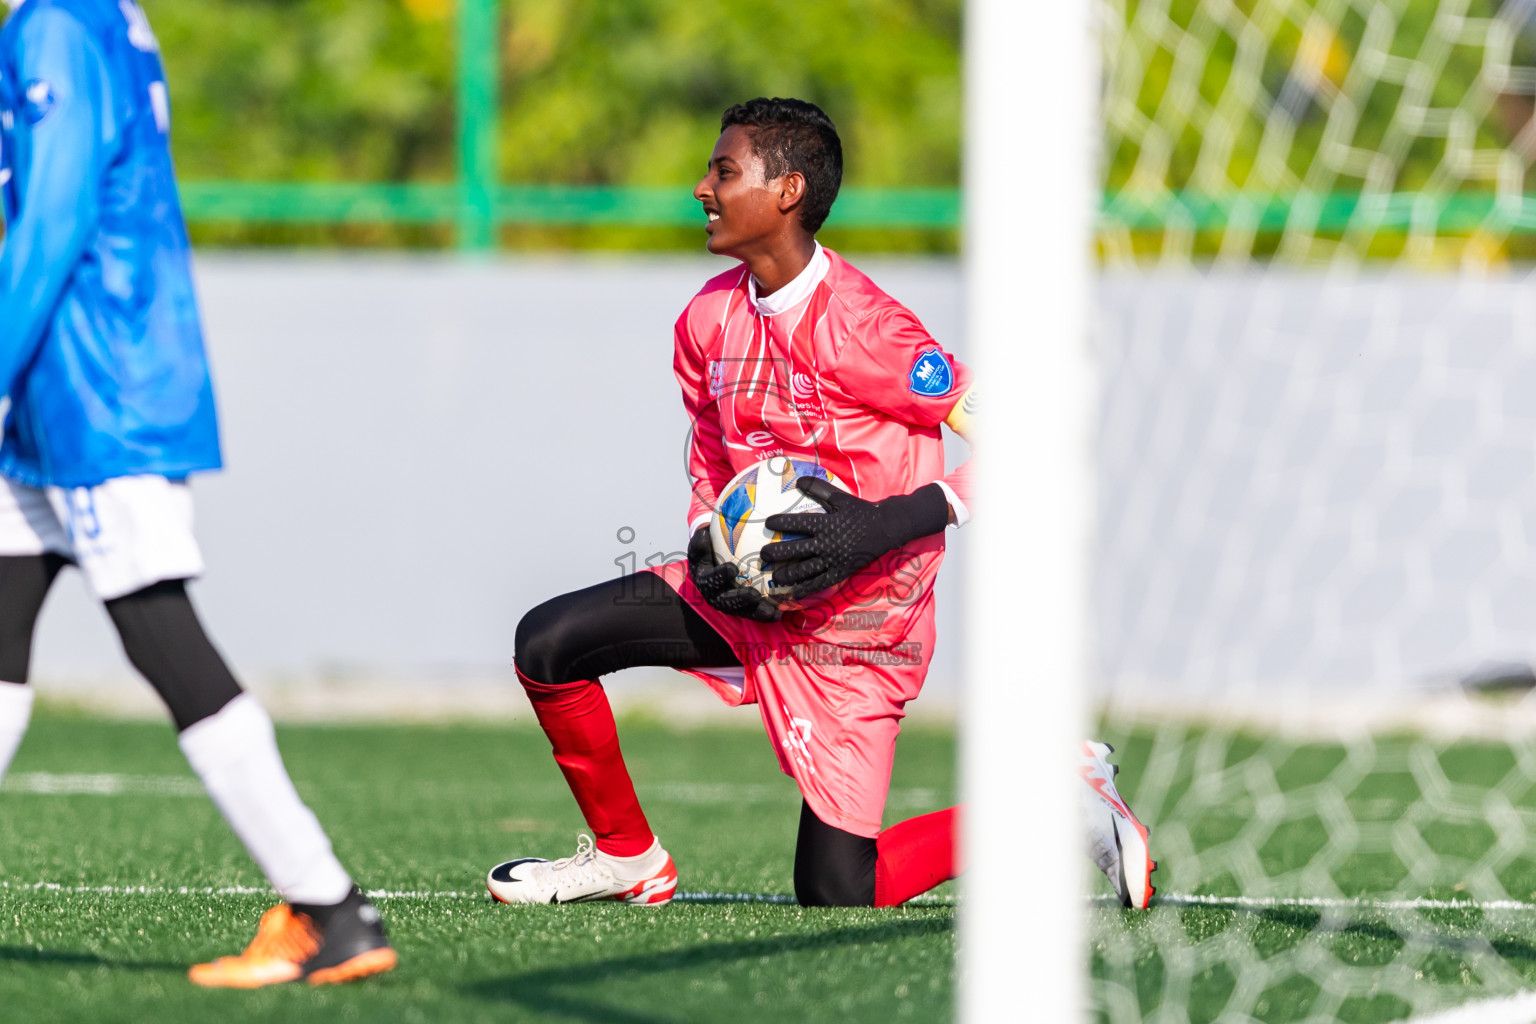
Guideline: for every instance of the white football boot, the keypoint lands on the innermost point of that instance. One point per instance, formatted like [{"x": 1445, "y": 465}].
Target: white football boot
[
  {"x": 1117, "y": 842},
  {"x": 586, "y": 877}
]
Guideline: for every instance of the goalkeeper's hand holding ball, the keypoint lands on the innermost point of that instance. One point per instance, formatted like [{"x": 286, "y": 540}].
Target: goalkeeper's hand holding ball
[
  {"x": 718, "y": 585},
  {"x": 850, "y": 535}
]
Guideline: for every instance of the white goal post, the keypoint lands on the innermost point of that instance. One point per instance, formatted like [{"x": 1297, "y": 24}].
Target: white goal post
[{"x": 1029, "y": 139}]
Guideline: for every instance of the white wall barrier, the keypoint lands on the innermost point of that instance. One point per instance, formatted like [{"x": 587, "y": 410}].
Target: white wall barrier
[{"x": 419, "y": 450}]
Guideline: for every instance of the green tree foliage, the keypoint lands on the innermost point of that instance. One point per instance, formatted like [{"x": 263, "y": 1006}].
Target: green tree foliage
[
  {"x": 1183, "y": 58},
  {"x": 1427, "y": 102},
  {"x": 602, "y": 91},
  {"x": 631, "y": 90},
  {"x": 620, "y": 92},
  {"x": 308, "y": 90}
]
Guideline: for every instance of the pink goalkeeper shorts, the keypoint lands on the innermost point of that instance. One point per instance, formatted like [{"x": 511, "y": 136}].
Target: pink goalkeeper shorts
[{"x": 832, "y": 712}]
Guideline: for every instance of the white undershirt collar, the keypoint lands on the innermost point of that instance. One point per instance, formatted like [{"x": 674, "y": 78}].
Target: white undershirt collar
[{"x": 794, "y": 293}]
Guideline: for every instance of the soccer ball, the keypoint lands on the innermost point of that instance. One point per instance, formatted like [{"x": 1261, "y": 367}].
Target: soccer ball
[{"x": 736, "y": 529}]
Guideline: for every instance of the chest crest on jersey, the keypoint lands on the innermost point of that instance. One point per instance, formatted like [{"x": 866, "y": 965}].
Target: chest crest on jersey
[
  {"x": 805, "y": 395},
  {"x": 716, "y": 377}
]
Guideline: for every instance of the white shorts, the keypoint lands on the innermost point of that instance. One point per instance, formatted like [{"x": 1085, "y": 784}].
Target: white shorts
[{"x": 123, "y": 534}]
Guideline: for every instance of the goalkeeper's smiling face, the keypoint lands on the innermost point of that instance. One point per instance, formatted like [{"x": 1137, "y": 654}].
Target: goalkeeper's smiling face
[{"x": 747, "y": 213}]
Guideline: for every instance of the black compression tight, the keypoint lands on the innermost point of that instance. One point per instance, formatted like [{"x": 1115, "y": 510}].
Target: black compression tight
[
  {"x": 158, "y": 627},
  {"x": 165, "y": 641},
  {"x": 833, "y": 868},
  {"x": 639, "y": 620},
  {"x": 24, "y": 583},
  {"x": 623, "y": 623}
]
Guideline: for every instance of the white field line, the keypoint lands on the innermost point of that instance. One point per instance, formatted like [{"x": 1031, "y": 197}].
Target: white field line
[
  {"x": 1332, "y": 903},
  {"x": 1171, "y": 899},
  {"x": 110, "y": 784},
  {"x": 1519, "y": 1008},
  {"x": 1177, "y": 899},
  {"x": 73, "y": 784},
  {"x": 57, "y": 888}
]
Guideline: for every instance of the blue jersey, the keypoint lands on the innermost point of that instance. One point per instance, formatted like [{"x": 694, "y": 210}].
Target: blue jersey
[{"x": 101, "y": 349}]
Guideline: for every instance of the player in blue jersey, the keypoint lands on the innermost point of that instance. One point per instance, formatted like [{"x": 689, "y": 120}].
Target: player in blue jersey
[{"x": 110, "y": 410}]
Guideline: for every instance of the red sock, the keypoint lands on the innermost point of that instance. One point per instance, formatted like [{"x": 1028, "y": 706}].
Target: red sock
[
  {"x": 579, "y": 724},
  {"x": 915, "y": 855}
]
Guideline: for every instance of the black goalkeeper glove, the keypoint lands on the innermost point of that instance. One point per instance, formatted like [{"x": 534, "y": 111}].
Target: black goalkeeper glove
[
  {"x": 851, "y": 533},
  {"x": 717, "y": 583}
]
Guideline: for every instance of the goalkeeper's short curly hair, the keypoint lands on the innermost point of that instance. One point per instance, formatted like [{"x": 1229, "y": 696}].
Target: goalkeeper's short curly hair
[{"x": 793, "y": 135}]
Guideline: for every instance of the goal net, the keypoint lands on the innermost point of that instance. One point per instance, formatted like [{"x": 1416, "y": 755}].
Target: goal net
[{"x": 1314, "y": 594}]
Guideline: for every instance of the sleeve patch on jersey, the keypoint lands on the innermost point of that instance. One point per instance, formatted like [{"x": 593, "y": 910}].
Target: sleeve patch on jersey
[
  {"x": 931, "y": 375},
  {"x": 37, "y": 100}
]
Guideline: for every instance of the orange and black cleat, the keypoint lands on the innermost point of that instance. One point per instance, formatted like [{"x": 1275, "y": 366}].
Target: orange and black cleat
[{"x": 290, "y": 946}]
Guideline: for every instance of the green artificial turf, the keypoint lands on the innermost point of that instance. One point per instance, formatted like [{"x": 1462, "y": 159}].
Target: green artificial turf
[
  {"x": 427, "y": 809},
  {"x": 1352, "y": 831},
  {"x": 430, "y": 809}
]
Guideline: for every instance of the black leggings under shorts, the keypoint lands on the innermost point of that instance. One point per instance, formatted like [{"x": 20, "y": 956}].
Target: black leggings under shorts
[{"x": 639, "y": 620}]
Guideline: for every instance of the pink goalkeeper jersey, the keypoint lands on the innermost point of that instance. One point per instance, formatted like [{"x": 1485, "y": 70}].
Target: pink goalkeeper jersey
[{"x": 830, "y": 369}]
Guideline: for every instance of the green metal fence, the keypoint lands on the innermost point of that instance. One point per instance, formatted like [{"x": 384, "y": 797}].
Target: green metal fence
[
  {"x": 1450, "y": 212},
  {"x": 475, "y": 204}
]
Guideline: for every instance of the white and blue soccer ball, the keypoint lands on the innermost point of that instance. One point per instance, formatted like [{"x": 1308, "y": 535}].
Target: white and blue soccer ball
[{"x": 736, "y": 529}]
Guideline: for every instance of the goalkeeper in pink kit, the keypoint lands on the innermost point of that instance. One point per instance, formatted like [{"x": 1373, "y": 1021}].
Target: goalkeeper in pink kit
[{"x": 791, "y": 353}]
